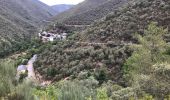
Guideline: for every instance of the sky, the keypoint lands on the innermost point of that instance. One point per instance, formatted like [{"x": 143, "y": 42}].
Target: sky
[{"x": 54, "y": 2}]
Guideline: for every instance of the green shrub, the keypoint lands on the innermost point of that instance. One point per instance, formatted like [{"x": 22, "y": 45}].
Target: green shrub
[
  {"x": 73, "y": 91},
  {"x": 8, "y": 86},
  {"x": 101, "y": 74},
  {"x": 102, "y": 94},
  {"x": 123, "y": 94},
  {"x": 7, "y": 75},
  {"x": 157, "y": 84},
  {"x": 49, "y": 93},
  {"x": 64, "y": 90}
]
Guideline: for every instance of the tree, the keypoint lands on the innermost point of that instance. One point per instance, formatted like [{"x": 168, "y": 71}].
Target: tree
[
  {"x": 139, "y": 68},
  {"x": 153, "y": 41},
  {"x": 149, "y": 52}
]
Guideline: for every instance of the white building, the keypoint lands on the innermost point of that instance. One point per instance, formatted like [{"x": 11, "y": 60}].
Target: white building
[
  {"x": 45, "y": 36},
  {"x": 51, "y": 39}
]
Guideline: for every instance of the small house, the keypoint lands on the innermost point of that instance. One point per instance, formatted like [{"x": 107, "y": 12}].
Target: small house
[
  {"x": 44, "y": 33},
  {"x": 64, "y": 34},
  {"x": 64, "y": 37},
  {"x": 21, "y": 68},
  {"x": 51, "y": 39}
]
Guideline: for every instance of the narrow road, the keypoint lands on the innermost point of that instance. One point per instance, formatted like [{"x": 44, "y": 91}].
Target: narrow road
[
  {"x": 30, "y": 68},
  {"x": 93, "y": 43}
]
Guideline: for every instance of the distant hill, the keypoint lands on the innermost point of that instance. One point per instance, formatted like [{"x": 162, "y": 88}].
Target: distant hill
[
  {"x": 80, "y": 8},
  {"x": 31, "y": 10},
  {"x": 89, "y": 11},
  {"x": 62, "y": 7},
  {"x": 19, "y": 19}
]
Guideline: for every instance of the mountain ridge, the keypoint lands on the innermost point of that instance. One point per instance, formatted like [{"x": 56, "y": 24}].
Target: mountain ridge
[
  {"x": 80, "y": 8},
  {"x": 88, "y": 13}
]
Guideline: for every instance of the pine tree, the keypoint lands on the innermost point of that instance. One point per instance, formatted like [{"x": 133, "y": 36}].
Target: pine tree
[{"x": 153, "y": 41}]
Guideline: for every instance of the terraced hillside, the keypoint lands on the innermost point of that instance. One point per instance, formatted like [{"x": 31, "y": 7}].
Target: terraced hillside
[
  {"x": 19, "y": 21},
  {"x": 98, "y": 50},
  {"x": 87, "y": 14}
]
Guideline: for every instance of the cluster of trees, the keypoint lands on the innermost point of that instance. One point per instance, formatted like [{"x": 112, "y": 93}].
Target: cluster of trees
[
  {"x": 13, "y": 47},
  {"x": 76, "y": 90},
  {"x": 101, "y": 61},
  {"x": 148, "y": 67},
  {"x": 8, "y": 48},
  {"x": 145, "y": 75},
  {"x": 57, "y": 27},
  {"x": 64, "y": 90}
]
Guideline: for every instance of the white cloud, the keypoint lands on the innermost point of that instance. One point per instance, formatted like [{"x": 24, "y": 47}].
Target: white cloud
[{"x": 54, "y": 2}]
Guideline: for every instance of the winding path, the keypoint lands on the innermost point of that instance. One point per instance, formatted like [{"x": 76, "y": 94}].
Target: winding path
[{"x": 30, "y": 68}]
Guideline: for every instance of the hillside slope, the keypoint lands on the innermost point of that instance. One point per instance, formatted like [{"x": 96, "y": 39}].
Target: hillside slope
[
  {"x": 31, "y": 10},
  {"x": 123, "y": 23},
  {"x": 19, "y": 21},
  {"x": 100, "y": 51}
]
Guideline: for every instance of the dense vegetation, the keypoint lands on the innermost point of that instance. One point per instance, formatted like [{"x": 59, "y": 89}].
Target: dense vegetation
[
  {"x": 9, "y": 87},
  {"x": 143, "y": 72},
  {"x": 134, "y": 17},
  {"x": 124, "y": 56},
  {"x": 81, "y": 61},
  {"x": 148, "y": 67},
  {"x": 146, "y": 74},
  {"x": 69, "y": 59}
]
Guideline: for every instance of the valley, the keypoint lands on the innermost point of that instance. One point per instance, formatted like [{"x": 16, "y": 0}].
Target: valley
[{"x": 95, "y": 50}]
